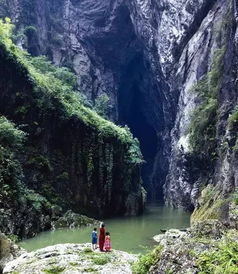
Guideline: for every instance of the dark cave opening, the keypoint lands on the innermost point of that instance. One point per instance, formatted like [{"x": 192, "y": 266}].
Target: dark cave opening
[
  {"x": 135, "y": 112},
  {"x": 139, "y": 95}
]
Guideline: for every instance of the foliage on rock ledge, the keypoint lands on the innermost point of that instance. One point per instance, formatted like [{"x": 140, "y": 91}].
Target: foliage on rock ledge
[{"x": 53, "y": 82}]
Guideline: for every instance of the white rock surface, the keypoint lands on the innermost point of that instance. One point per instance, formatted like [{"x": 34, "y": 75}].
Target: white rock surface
[{"x": 170, "y": 236}]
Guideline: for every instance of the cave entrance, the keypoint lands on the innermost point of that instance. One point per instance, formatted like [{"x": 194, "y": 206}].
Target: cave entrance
[{"x": 134, "y": 111}]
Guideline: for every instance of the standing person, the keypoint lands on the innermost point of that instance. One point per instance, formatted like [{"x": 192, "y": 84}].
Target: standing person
[
  {"x": 94, "y": 239},
  {"x": 107, "y": 244},
  {"x": 102, "y": 237}
]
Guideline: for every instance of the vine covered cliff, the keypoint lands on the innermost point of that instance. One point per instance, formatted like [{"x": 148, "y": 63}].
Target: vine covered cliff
[{"x": 56, "y": 154}]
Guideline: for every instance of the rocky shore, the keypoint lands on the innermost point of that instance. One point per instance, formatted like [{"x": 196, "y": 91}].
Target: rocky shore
[{"x": 208, "y": 246}]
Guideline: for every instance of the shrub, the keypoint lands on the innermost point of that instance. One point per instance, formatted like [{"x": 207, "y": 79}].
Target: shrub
[
  {"x": 147, "y": 260},
  {"x": 41, "y": 162},
  {"x": 36, "y": 200},
  {"x": 30, "y": 30},
  {"x": 222, "y": 261},
  {"x": 10, "y": 136},
  {"x": 87, "y": 250},
  {"x": 14, "y": 238},
  {"x": 6, "y": 29},
  {"x": 62, "y": 74},
  {"x": 102, "y": 105}
]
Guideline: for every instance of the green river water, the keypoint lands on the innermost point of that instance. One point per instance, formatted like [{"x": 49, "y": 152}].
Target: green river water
[{"x": 131, "y": 234}]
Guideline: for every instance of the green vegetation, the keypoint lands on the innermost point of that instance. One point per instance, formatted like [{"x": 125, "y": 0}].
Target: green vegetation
[
  {"x": 233, "y": 126},
  {"x": 101, "y": 260},
  {"x": 87, "y": 250},
  {"x": 37, "y": 200},
  {"x": 30, "y": 30},
  {"x": 203, "y": 126},
  {"x": 221, "y": 261},
  {"x": 10, "y": 136},
  {"x": 147, "y": 260},
  {"x": 233, "y": 119},
  {"x": 90, "y": 269},
  {"x": 102, "y": 105},
  {"x": 235, "y": 197},
  {"x": 74, "y": 263},
  {"x": 14, "y": 238},
  {"x": 11, "y": 139},
  {"x": 63, "y": 75},
  {"x": 13, "y": 190},
  {"x": 40, "y": 162},
  {"x": 54, "y": 270}
]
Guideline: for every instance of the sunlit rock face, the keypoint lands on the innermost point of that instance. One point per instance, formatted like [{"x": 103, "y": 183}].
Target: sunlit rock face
[
  {"x": 147, "y": 56},
  {"x": 189, "y": 172}
]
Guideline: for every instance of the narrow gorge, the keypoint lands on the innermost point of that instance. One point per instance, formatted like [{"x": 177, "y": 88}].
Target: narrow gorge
[{"x": 116, "y": 103}]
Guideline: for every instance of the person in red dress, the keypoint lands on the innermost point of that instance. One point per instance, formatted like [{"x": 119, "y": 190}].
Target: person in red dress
[{"x": 102, "y": 237}]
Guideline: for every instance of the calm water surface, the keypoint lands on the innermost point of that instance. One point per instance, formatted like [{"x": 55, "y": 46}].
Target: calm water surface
[{"x": 131, "y": 234}]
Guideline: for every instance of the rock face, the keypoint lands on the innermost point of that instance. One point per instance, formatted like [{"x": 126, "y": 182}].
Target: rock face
[
  {"x": 148, "y": 57},
  {"x": 191, "y": 167},
  {"x": 8, "y": 251},
  {"x": 71, "y": 258}
]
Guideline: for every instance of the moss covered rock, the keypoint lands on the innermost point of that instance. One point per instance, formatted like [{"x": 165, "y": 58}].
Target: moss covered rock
[{"x": 73, "y": 220}]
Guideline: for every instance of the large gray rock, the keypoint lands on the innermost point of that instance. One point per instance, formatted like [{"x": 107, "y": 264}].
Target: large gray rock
[
  {"x": 71, "y": 258},
  {"x": 73, "y": 220},
  {"x": 181, "y": 250}
]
